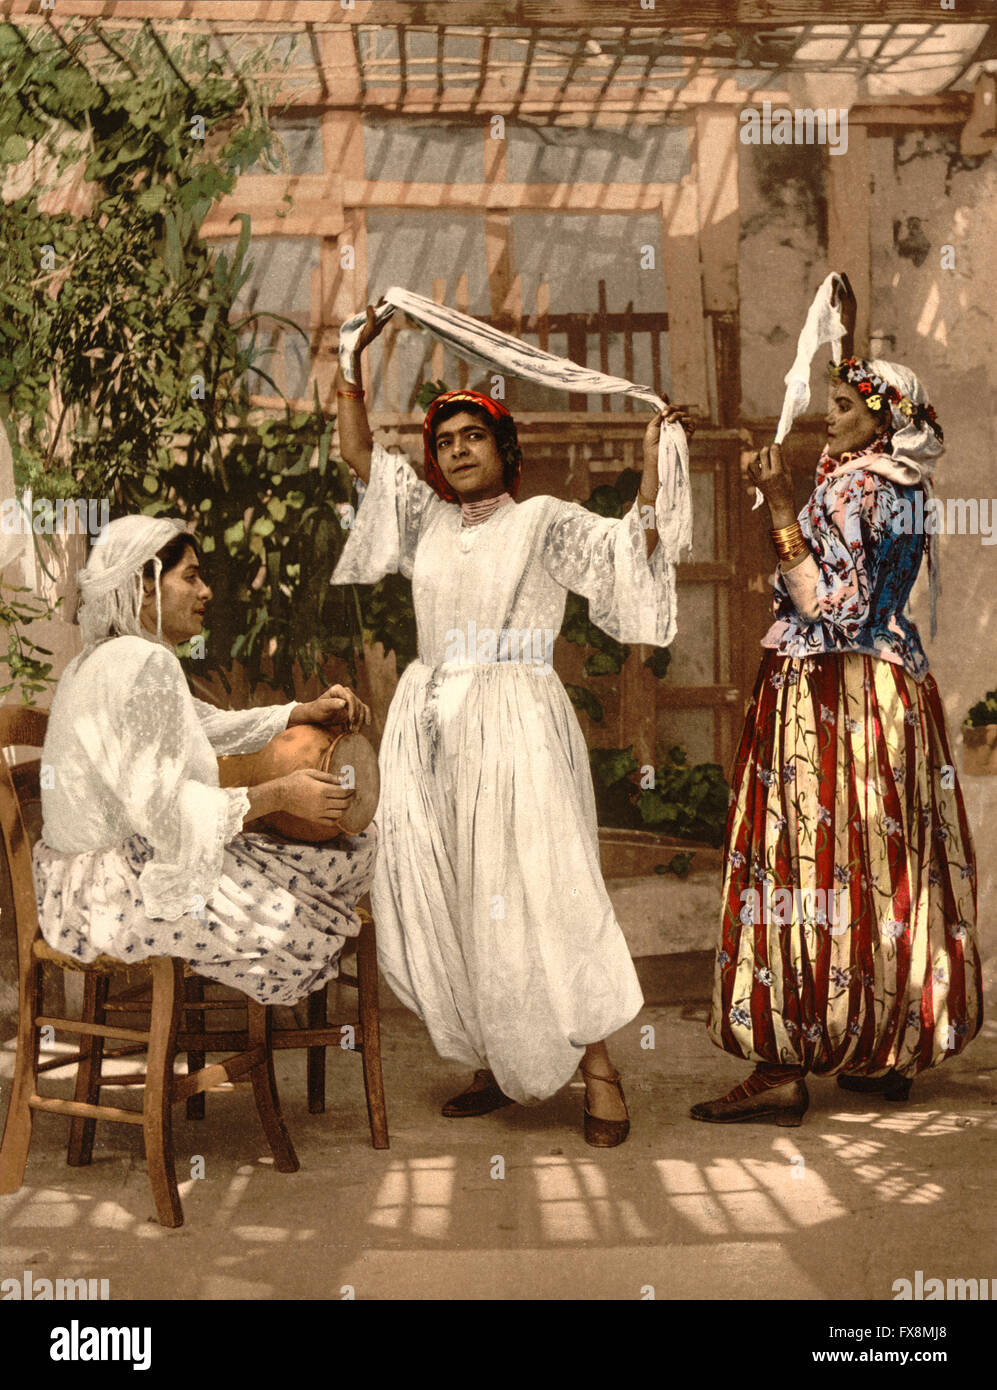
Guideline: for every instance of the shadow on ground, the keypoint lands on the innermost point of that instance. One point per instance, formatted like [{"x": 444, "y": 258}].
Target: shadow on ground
[{"x": 514, "y": 1205}]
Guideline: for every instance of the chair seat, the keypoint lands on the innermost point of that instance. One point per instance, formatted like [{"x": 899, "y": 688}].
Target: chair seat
[{"x": 102, "y": 965}]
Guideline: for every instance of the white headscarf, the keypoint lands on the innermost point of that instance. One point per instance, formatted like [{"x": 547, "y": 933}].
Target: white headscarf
[
  {"x": 914, "y": 446},
  {"x": 110, "y": 585}
]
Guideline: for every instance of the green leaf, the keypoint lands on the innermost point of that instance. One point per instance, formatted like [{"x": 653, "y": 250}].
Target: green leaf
[
  {"x": 14, "y": 149},
  {"x": 611, "y": 765},
  {"x": 151, "y": 199},
  {"x": 659, "y": 661},
  {"x": 605, "y": 501},
  {"x": 679, "y": 864},
  {"x": 603, "y": 664}
]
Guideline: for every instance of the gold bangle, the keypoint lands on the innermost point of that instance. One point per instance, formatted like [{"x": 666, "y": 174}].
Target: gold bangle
[
  {"x": 789, "y": 541},
  {"x": 795, "y": 553},
  {"x": 648, "y": 501},
  {"x": 351, "y": 395}
]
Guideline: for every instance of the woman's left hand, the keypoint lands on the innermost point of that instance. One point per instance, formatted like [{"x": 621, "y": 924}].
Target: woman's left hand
[
  {"x": 335, "y": 706},
  {"x": 766, "y": 471}
]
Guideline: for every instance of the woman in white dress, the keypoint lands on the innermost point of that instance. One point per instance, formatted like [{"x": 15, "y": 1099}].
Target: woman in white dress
[
  {"x": 142, "y": 852},
  {"x": 494, "y": 924}
]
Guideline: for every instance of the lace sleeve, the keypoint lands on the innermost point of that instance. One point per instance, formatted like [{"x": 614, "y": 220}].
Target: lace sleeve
[
  {"x": 232, "y": 731},
  {"x": 388, "y": 522},
  {"x": 631, "y": 596},
  {"x": 187, "y": 822}
]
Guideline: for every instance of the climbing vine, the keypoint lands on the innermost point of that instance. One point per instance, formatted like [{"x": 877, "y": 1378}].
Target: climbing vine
[{"x": 124, "y": 368}]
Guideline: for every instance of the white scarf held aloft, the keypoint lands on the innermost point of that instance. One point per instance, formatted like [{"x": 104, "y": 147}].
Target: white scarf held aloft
[
  {"x": 823, "y": 325},
  {"x": 478, "y": 342}
]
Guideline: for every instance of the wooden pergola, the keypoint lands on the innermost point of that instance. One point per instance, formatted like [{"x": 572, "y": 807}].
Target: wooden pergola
[{"x": 560, "y": 63}]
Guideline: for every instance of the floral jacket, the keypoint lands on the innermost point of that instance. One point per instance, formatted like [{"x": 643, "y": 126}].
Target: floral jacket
[{"x": 867, "y": 563}]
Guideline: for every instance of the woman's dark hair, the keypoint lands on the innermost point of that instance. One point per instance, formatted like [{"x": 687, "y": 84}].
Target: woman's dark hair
[
  {"x": 172, "y": 554},
  {"x": 503, "y": 431}
]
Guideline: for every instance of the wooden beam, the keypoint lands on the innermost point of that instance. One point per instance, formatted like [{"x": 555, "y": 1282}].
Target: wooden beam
[
  {"x": 514, "y": 197},
  {"x": 343, "y": 155},
  {"x": 684, "y": 291},
  {"x": 716, "y": 163},
  {"x": 522, "y": 14},
  {"x": 627, "y": 98},
  {"x": 848, "y": 246}
]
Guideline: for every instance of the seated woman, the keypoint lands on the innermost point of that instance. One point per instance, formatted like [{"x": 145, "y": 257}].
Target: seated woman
[{"x": 142, "y": 852}]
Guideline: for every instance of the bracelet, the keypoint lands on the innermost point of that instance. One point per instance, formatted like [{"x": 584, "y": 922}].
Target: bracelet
[
  {"x": 351, "y": 395},
  {"x": 789, "y": 541},
  {"x": 648, "y": 501}
]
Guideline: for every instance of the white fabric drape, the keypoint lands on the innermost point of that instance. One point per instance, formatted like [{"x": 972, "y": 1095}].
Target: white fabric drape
[
  {"x": 822, "y": 325},
  {"x": 125, "y": 743},
  {"x": 493, "y": 921},
  {"x": 478, "y": 342}
]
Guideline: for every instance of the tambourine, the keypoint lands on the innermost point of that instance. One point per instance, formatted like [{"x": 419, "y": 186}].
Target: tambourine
[{"x": 348, "y": 755}]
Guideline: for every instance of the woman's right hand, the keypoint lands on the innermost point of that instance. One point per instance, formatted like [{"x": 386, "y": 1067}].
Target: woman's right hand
[
  {"x": 314, "y": 796},
  {"x": 843, "y": 297}
]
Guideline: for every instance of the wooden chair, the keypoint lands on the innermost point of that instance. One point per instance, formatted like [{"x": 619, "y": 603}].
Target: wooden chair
[
  {"x": 20, "y": 801},
  {"x": 318, "y": 1033}
]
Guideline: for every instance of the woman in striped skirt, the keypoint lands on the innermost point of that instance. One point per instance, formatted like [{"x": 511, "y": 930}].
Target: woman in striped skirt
[{"x": 847, "y": 942}]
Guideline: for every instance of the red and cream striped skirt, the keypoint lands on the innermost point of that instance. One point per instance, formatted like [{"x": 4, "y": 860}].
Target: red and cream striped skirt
[{"x": 848, "y": 931}]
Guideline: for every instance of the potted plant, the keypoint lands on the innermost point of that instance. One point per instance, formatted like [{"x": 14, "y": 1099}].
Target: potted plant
[{"x": 979, "y": 737}]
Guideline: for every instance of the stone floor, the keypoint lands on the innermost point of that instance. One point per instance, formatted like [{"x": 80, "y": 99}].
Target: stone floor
[{"x": 515, "y": 1205}]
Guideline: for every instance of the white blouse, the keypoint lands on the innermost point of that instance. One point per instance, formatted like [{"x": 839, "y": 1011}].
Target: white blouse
[
  {"x": 514, "y": 570},
  {"x": 129, "y": 751}
]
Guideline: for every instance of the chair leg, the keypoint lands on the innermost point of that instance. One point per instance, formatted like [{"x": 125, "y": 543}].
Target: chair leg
[
  {"x": 370, "y": 1032},
  {"x": 81, "y": 1132},
  {"x": 194, "y": 993},
  {"x": 17, "y": 1127},
  {"x": 265, "y": 1091},
  {"x": 317, "y": 1016},
  {"x": 164, "y": 1021}
]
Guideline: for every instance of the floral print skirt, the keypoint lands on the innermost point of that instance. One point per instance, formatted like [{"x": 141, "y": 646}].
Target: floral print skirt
[
  {"x": 848, "y": 930},
  {"x": 273, "y": 928}
]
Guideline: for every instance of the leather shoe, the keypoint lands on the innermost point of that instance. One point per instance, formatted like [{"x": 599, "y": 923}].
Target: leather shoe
[
  {"x": 781, "y": 1105},
  {"x": 480, "y": 1100},
  {"x": 891, "y": 1086}
]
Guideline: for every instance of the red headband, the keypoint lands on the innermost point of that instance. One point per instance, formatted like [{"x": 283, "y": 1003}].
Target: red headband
[{"x": 434, "y": 474}]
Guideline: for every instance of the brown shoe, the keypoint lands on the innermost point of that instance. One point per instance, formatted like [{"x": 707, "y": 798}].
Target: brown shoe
[
  {"x": 479, "y": 1099},
  {"x": 891, "y": 1085},
  {"x": 600, "y": 1133},
  {"x": 782, "y": 1105}
]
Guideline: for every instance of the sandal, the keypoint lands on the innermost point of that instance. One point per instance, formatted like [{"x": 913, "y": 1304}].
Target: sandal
[{"x": 600, "y": 1133}]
